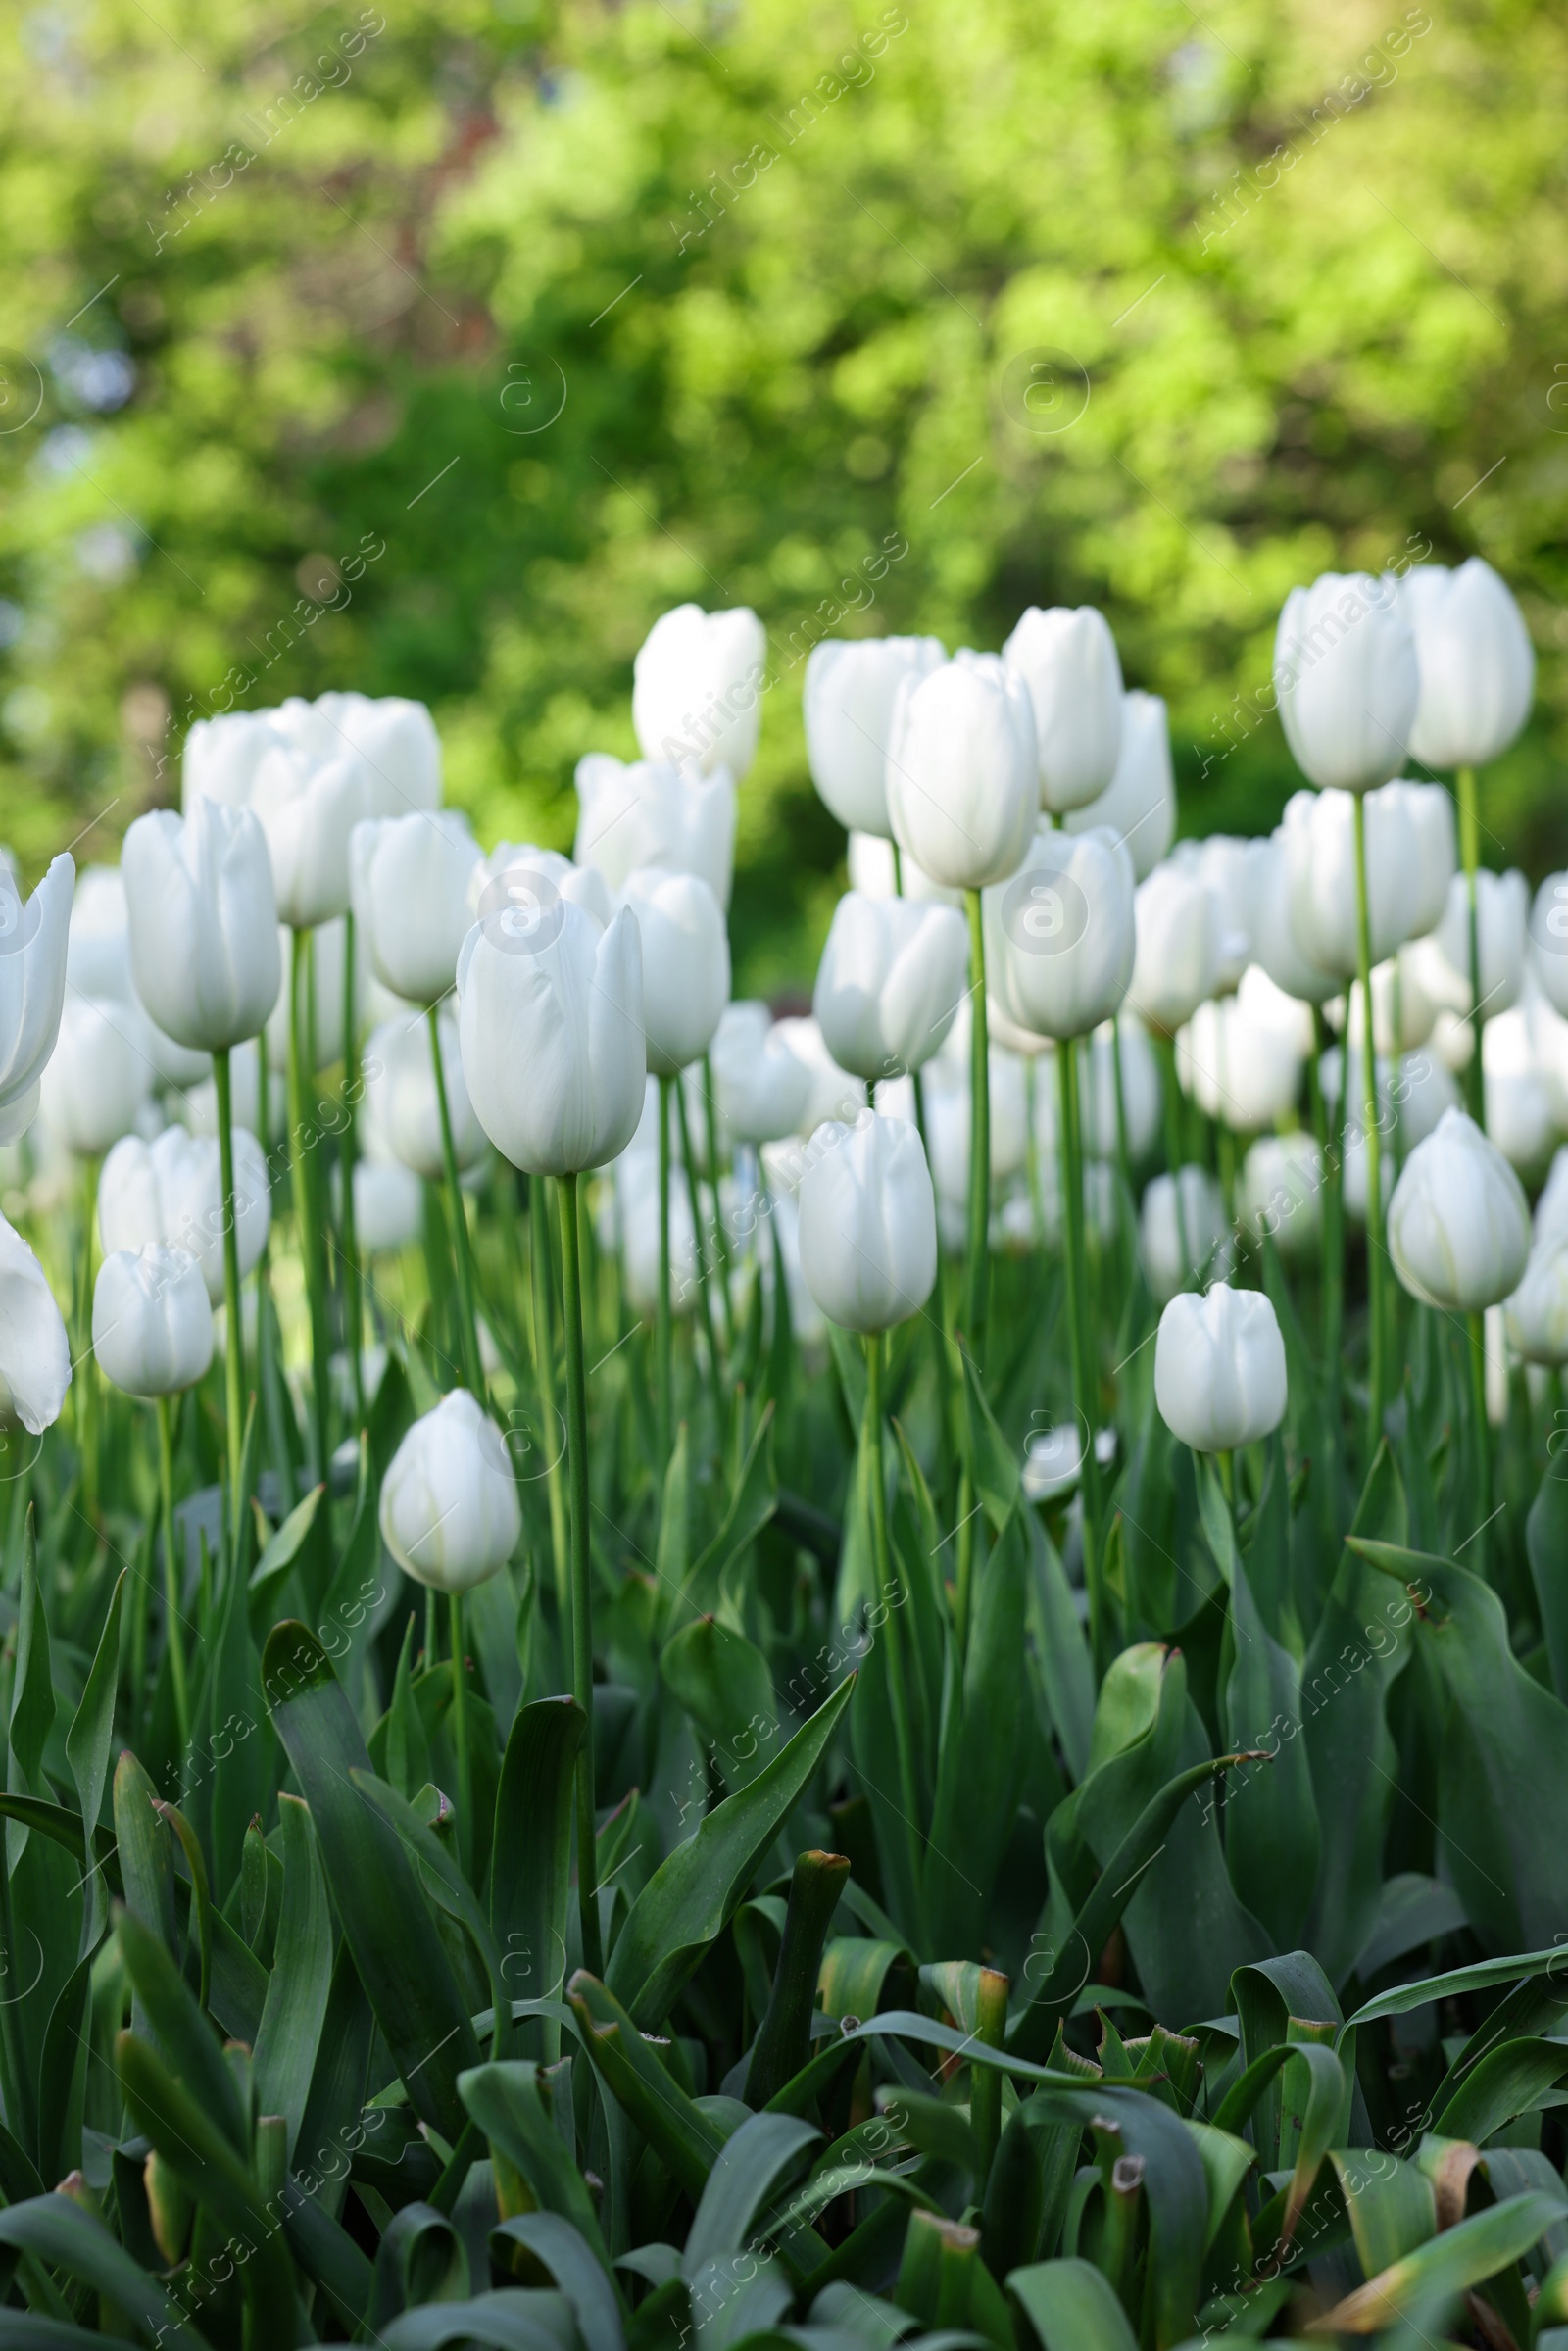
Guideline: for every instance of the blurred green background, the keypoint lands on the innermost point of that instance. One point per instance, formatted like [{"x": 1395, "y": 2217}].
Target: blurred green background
[{"x": 560, "y": 317}]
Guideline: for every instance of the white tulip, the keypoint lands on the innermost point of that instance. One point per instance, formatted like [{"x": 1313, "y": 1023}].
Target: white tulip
[
  {"x": 308, "y": 809},
  {"x": 761, "y": 1084},
  {"x": 1552, "y": 1208},
  {"x": 1139, "y": 803},
  {"x": 1429, "y": 809},
  {"x": 1402, "y": 1010},
  {"x": 401, "y": 1097},
  {"x": 1280, "y": 1192},
  {"x": 550, "y": 1024},
  {"x": 696, "y": 687},
  {"x": 655, "y": 813},
  {"x": 34, "y": 1352},
  {"x": 1189, "y": 1246},
  {"x": 962, "y": 771},
  {"x": 831, "y": 1092},
  {"x": 1143, "y": 1091},
  {"x": 637, "y": 1228},
  {"x": 449, "y": 1511},
  {"x": 1233, "y": 869},
  {"x": 851, "y": 686},
  {"x": 98, "y": 963},
  {"x": 1177, "y": 961},
  {"x": 221, "y": 756},
  {"x": 891, "y": 980},
  {"x": 1060, "y": 935},
  {"x": 869, "y": 859},
  {"x": 685, "y": 952},
  {"x": 1522, "y": 1114},
  {"x": 170, "y": 1190},
  {"x": 1067, "y": 659},
  {"x": 1536, "y": 1316},
  {"x": 1477, "y": 665},
  {"x": 1548, "y": 938},
  {"x": 388, "y": 1205},
  {"x": 99, "y": 1075},
  {"x": 949, "y": 1108},
  {"x": 203, "y": 923},
  {"x": 1277, "y": 943},
  {"x": 1458, "y": 1223},
  {"x": 1344, "y": 670},
  {"x": 1417, "y": 1093},
  {"x": 1319, "y": 836},
  {"x": 1241, "y": 1058},
  {"x": 34, "y": 937},
  {"x": 1219, "y": 1368},
  {"x": 410, "y": 879},
  {"x": 152, "y": 1321},
  {"x": 513, "y": 864},
  {"x": 868, "y": 1228},
  {"x": 200, "y": 1109},
  {"x": 394, "y": 739},
  {"x": 1502, "y": 913}
]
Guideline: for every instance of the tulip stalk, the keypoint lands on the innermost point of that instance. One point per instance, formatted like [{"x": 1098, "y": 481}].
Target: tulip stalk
[
  {"x": 234, "y": 1328},
  {"x": 1375, "y": 1249},
  {"x": 1080, "y": 1329},
  {"x": 352, "y": 1313},
  {"x": 305, "y": 1220},
  {"x": 700, "y": 1266},
  {"x": 88, "y": 1421},
  {"x": 1470, "y": 858},
  {"x": 459, "y": 1727},
  {"x": 1331, "y": 1144},
  {"x": 1170, "y": 1093},
  {"x": 582, "y": 1646},
  {"x": 978, "y": 1268},
  {"x": 544, "y": 1365},
  {"x": 890, "y": 1598},
  {"x": 171, "y": 1578},
  {"x": 720, "y": 1235},
  {"x": 472, "y": 1368},
  {"x": 664, "y": 1318},
  {"x": 1476, "y": 1334}
]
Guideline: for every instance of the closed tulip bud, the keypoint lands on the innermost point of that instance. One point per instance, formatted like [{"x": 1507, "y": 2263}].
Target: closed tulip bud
[
  {"x": 962, "y": 771},
  {"x": 583, "y": 883},
  {"x": 1067, "y": 659},
  {"x": 1186, "y": 1247},
  {"x": 1458, "y": 1222},
  {"x": 550, "y": 1017},
  {"x": 1345, "y": 668},
  {"x": 221, "y": 756},
  {"x": 151, "y": 1322},
  {"x": 1178, "y": 945},
  {"x": 1477, "y": 665},
  {"x": 1219, "y": 1368},
  {"x": 1060, "y": 935},
  {"x": 1139, "y": 803},
  {"x": 98, "y": 963},
  {"x": 388, "y": 1205},
  {"x": 1319, "y": 835},
  {"x": 411, "y": 878},
  {"x": 1402, "y": 1009},
  {"x": 170, "y": 1190},
  {"x": 1280, "y": 1192},
  {"x": 393, "y": 738},
  {"x": 308, "y": 809},
  {"x": 1503, "y": 915},
  {"x": 99, "y": 1074},
  {"x": 449, "y": 1513},
  {"x": 1143, "y": 1093},
  {"x": 1418, "y": 1090},
  {"x": 1522, "y": 1106},
  {"x": 868, "y": 1223},
  {"x": 1277, "y": 943},
  {"x": 653, "y": 812},
  {"x": 34, "y": 1353},
  {"x": 1536, "y": 1316},
  {"x": 685, "y": 952},
  {"x": 831, "y": 1092},
  {"x": 949, "y": 1108},
  {"x": 1241, "y": 1056},
  {"x": 401, "y": 1096},
  {"x": 851, "y": 688},
  {"x": 696, "y": 687},
  {"x": 1233, "y": 869},
  {"x": 1429, "y": 809},
  {"x": 203, "y": 923},
  {"x": 869, "y": 859},
  {"x": 761, "y": 1084},
  {"x": 33, "y": 939},
  {"x": 887, "y": 988},
  {"x": 1548, "y": 939},
  {"x": 637, "y": 1228}
]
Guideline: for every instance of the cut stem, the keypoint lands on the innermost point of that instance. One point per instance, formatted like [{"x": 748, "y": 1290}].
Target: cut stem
[
  {"x": 472, "y": 1369},
  {"x": 1470, "y": 858},
  {"x": 1080, "y": 1330},
  {"x": 233, "y": 1321},
  {"x": 582, "y": 1642},
  {"x": 890, "y": 1597},
  {"x": 1375, "y": 1263},
  {"x": 978, "y": 1269},
  {"x": 171, "y": 1578}
]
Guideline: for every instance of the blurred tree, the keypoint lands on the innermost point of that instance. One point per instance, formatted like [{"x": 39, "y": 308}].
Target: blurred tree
[{"x": 437, "y": 351}]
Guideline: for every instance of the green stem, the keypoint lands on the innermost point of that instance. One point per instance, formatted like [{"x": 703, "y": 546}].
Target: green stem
[
  {"x": 473, "y": 1370},
  {"x": 171, "y": 1578},
  {"x": 1470, "y": 858},
  {"x": 1031, "y": 1151},
  {"x": 890, "y": 1598},
  {"x": 1375, "y": 1259},
  {"x": 664, "y": 1319},
  {"x": 1330, "y": 1142},
  {"x": 1080, "y": 1333},
  {"x": 1476, "y": 1331},
  {"x": 700, "y": 1264},
  {"x": 87, "y": 1422},
  {"x": 978, "y": 1268},
  {"x": 544, "y": 1364},
  {"x": 353, "y": 1319},
  {"x": 582, "y": 1641},
  {"x": 721, "y": 1232},
  {"x": 234, "y": 1324},
  {"x": 459, "y": 1728},
  {"x": 1171, "y": 1096},
  {"x": 1125, "y": 1212}
]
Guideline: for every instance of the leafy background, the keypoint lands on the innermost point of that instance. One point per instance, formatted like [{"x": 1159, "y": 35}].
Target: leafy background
[{"x": 281, "y": 283}]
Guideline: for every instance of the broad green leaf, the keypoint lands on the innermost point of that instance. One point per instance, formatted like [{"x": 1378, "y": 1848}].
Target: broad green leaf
[
  {"x": 54, "y": 2229},
  {"x": 723, "y": 1683},
  {"x": 1061, "y": 1646},
  {"x": 443, "y": 1880},
  {"x": 1547, "y": 1547},
  {"x": 1401, "y": 1998},
  {"x": 32, "y": 1699},
  {"x": 87, "y": 1745},
  {"x": 751, "y": 1504},
  {"x": 747, "y": 2173},
  {"x": 331, "y": 2121},
  {"x": 327, "y": 2253},
  {"x": 1227, "y": 2160},
  {"x": 1390, "y": 2205},
  {"x": 687, "y": 2140},
  {"x": 1462, "y": 2257},
  {"x": 508, "y": 2104},
  {"x": 981, "y": 1754},
  {"x": 65, "y": 2047},
  {"x": 271, "y": 1571},
  {"x": 530, "y": 1869},
  {"x": 509, "y": 2321},
  {"x": 571, "y": 2263},
  {"x": 853, "y": 1978},
  {"x": 183, "y": 2034},
  {"x": 1271, "y": 1826},
  {"x": 1071, "y": 2307},
  {"x": 1507, "y": 2082},
  {"x": 300, "y": 1983},
  {"x": 420, "y": 2259}
]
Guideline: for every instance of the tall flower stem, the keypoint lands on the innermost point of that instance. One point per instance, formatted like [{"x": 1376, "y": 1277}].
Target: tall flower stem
[
  {"x": 459, "y": 1727},
  {"x": 233, "y": 1321},
  {"x": 1080, "y": 1330},
  {"x": 171, "y": 1578},
  {"x": 543, "y": 1366},
  {"x": 978, "y": 1268},
  {"x": 1031, "y": 1153},
  {"x": 663, "y": 1320},
  {"x": 1476, "y": 1332},
  {"x": 304, "y": 1218},
  {"x": 87, "y": 1418},
  {"x": 582, "y": 1640},
  {"x": 1329, "y": 1131},
  {"x": 700, "y": 1256},
  {"x": 1172, "y": 1097},
  {"x": 890, "y": 1597},
  {"x": 720, "y": 1235},
  {"x": 1375, "y": 1266},
  {"x": 1470, "y": 858},
  {"x": 472, "y": 1369},
  {"x": 1124, "y": 1155},
  {"x": 353, "y": 1320}
]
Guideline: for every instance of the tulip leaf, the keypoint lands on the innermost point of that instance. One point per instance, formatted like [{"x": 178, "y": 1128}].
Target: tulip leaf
[
  {"x": 530, "y": 1866},
  {"x": 511, "y": 2106},
  {"x": 751, "y": 1504},
  {"x": 722, "y": 1681},
  {"x": 982, "y": 1751},
  {"x": 1507, "y": 2082},
  {"x": 56, "y": 2229},
  {"x": 1390, "y": 2202},
  {"x": 687, "y": 2140},
  {"x": 1547, "y": 1547},
  {"x": 87, "y": 1747},
  {"x": 749, "y": 2171},
  {"x": 300, "y": 1984},
  {"x": 1073, "y": 2307},
  {"x": 267, "y": 1575},
  {"x": 1448, "y": 2264},
  {"x": 563, "y": 2252},
  {"x": 1271, "y": 1827}
]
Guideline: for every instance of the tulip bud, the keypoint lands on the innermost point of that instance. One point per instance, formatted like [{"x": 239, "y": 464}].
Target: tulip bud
[
  {"x": 394, "y": 739},
  {"x": 1536, "y": 1316},
  {"x": 1141, "y": 1090},
  {"x": 169, "y": 1192},
  {"x": 696, "y": 687},
  {"x": 1060, "y": 935},
  {"x": 1241, "y": 1056},
  {"x": 868, "y": 1226},
  {"x": 1522, "y": 1113},
  {"x": 761, "y": 1085},
  {"x": 1184, "y": 1247},
  {"x": 411, "y": 878},
  {"x": 151, "y": 1323},
  {"x": 33, "y": 942},
  {"x": 1548, "y": 938},
  {"x": 1219, "y": 1368},
  {"x": 99, "y": 1075},
  {"x": 1277, "y": 943},
  {"x": 582, "y": 883},
  {"x": 870, "y": 860},
  {"x": 449, "y": 1509},
  {"x": 1233, "y": 869},
  {"x": 550, "y": 1018},
  {"x": 308, "y": 809},
  {"x": 685, "y": 951},
  {"x": 1503, "y": 908},
  {"x": 1139, "y": 803},
  {"x": 949, "y": 1105},
  {"x": 1177, "y": 958},
  {"x": 655, "y": 813},
  {"x": 98, "y": 965},
  {"x": 221, "y": 756},
  {"x": 962, "y": 771},
  {"x": 1458, "y": 1223},
  {"x": 203, "y": 923},
  {"x": 851, "y": 688},
  {"x": 1345, "y": 668},
  {"x": 892, "y": 977},
  {"x": 1280, "y": 1192},
  {"x": 1319, "y": 837},
  {"x": 34, "y": 1353},
  {"x": 1430, "y": 811},
  {"x": 1476, "y": 664},
  {"x": 1067, "y": 659},
  {"x": 831, "y": 1092},
  {"x": 401, "y": 1097}
]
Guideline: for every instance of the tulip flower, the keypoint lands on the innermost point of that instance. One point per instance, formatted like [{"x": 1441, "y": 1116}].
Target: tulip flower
[
  {"x": 652, "y": 812},
  {"x": 831, "y": 1092},
  {"x": 151, "y": 1322},
  {"x": 685, "y": 958},
  {"x": 1060, "y": 935},
  {"x": 642, "y": 1242},
  {"x": 1502, "y": 913},
  {"x": 99, "y": 1075},
  {"x": 1403, "y": 1009},
  {"x": 1430, "y": 811},
  {"x": 1241, "y": 1056},
  {"x": 388, "y": 1203},
  {"x": 851, "y": 687},
  {"x": 583, "y": 883},
  {"x": 1522, "y": 1110},
  {"x": 394, "y": 739},
  {"x": 1458, "y": 1222},
  {"x": 869, "y": 1232},
  {"x": 761, "y": 1083},
  {"x": 1177, "y": 959},
  {"x": 401, "y": 1096},
  {"x": 1141, "y": 1090},
  {"x": 98, "y": 965},
  {"x": 878, "y": 869},
  {"x": 1548, "y": 938},
  {"x": 962, "y": 771},
  {"x": 448, "y": 1510},
  {"x": 1280, "y": 1192},
  {"x": 1182, "y": 1235},
  {"x": 1233, "y": 869},
  {"x": 203, "y": 923},
  {"x": 696, "y": 687},
  {"x": 34, "y": 1352},
  {"x": 410, "y": 880},
  {"x": 1139, "y": 803},
  {"x": 170, "y": 1193},
  {"x": 1415, "y": 1091},
  {"x": 1277, "y": 942},
  {"x": 1345, "y": 672},
  {"x": 1219, "y": 1368},
  {"x": 33, "y": 940},
  {"x": 1476, "y": 662},
  {"x": 221, "y": 756},
  {"x": 887, "y": 988},
  {"x": 1067, "y": 659},
  {"x": 309, "y": 808},
  {"x": 1536, "y": 1314},
  {"x": 1319, "y": 836}
]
